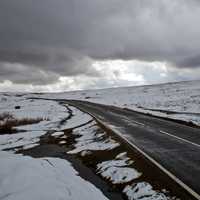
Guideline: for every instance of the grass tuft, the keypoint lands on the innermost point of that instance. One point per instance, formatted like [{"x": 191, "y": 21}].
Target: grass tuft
[{"x": 8, "y": 123}]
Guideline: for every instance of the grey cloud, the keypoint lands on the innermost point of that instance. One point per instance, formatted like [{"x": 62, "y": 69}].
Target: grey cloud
[
  {"x": 20, "y": 74},
  {"x": 188, "y": 62},
  {"x": 63, "y": 37},
  {"x": 23, "y": 57},
  {"x": 52, "y": 59},
  {"x": 39, "y": 66}
]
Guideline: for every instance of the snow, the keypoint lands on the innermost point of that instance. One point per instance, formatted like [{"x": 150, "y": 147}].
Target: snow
[
  {"x": 50, "y": 111},
  {"x": 90, "y": 139},
  {"x": 25, "y": 178},
  {"x": 183, "y": 98},
  {"x": 117, "y": 171},
  {"x": 22, "y": 139},
  {"x": 119, "y": 175},
  {"x": 29, "y": 146},
  {"x": 29, "y": 108},
  {"x": 143, "y": 191},
  {"x": 77, "y": 119},
  {"x": 58, "y": 133},
  {"x": 62, "y": 142}
]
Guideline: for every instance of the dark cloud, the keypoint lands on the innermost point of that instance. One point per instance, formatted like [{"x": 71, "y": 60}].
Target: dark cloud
[
  {"x": 39, "y": 66},
  {"x": 51, "y": 38},
  {"x": 19, "y": 73},
  {"x": 192, "y": 61}
]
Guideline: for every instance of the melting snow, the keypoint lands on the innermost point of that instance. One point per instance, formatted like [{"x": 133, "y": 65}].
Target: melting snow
[
  {"x": 77, "y": 119},
  {"x": 90, "y": 139},
  {"x": 24, "y": 139},
  {"x": 59, "y": 133},
  {"x": 143, "y": 191},
  {"x": 117, "y": 171}
]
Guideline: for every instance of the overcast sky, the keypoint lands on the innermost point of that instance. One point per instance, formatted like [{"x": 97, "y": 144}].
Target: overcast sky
[{"x": 58, "y": 45}]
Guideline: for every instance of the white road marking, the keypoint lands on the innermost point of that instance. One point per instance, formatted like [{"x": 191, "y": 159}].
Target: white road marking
[
  {"x": 179, "y": 138},
  {"x": 132, "y": 121},
  {"x": 128, "y": 120},
  {"x": 137, "y": 122}
]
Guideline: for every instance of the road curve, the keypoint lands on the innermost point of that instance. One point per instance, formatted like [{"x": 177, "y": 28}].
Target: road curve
[{"x": 174, "y": 146}]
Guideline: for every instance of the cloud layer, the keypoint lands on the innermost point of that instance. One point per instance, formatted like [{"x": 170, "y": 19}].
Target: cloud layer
[{"x": 40, "y": 41}]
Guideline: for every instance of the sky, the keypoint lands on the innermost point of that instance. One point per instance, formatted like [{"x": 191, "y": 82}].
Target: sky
[{"x": 62, "y": 45}]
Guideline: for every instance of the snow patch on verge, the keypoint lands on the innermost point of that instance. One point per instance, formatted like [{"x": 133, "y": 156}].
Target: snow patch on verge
[
  {"x": 117, "y": 171},
  {"x": 78, "y": 118},
  {"x": 143, "y": 191},
  {"x": 90, "y": 139},
  {"x": 58, "y": 133}
]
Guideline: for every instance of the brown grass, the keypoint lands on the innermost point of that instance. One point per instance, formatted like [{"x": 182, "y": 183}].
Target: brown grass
[
  {"x": 8, "y": 123},
  {"x": 5, "y": 116}
]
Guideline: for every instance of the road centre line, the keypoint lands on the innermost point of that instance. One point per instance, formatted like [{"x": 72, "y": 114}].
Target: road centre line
[{"x": 179, "y": 138}]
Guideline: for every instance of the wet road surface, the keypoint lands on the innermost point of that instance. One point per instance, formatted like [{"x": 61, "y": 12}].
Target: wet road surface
[{"x": 174, "y": 146}]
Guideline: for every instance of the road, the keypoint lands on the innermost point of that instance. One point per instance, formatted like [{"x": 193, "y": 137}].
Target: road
[{"x": 174, "y": 146}]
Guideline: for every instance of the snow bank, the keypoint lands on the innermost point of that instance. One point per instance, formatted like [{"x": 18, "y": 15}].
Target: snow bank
[
  {"x": 117, "y": 171},
  {"x": 25, "y": 178},
  {"x": 143, "y": 191},
  {"x": 78, "y": 118},
  {"x": 91, "y": 139}
]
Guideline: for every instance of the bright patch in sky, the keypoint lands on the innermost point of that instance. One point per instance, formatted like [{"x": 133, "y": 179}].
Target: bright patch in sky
[{"x": 111, "y": 73}]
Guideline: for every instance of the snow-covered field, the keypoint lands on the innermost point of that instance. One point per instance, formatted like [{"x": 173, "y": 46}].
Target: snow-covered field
[
  {"x": 25, "y": 177},
  {"x": 179, "y": 100}
]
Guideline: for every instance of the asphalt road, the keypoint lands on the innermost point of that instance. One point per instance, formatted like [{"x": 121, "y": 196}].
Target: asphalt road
[{"x": 174, "y": 146}]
